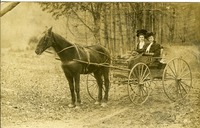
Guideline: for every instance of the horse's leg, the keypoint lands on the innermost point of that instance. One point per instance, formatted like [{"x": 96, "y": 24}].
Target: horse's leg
[
  {"x": 106, "y": 84},
  {"x": 71, "y": 86},
  {"x": 77, "y": 89},
  {"x": 99, "y": 80}
]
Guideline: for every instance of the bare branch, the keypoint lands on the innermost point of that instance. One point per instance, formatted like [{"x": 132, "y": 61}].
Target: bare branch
[
  {"x": 82, "y": 20},
  {"x": 9, "y": 8}
]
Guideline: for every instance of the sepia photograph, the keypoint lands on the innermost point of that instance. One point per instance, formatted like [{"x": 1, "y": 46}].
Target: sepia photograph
[{"x": 100, "y": 64}]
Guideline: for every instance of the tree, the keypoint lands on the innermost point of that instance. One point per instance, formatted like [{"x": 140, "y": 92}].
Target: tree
[
  {"x": 72, "y": 8},
  {"x": 114, "y": 25}
]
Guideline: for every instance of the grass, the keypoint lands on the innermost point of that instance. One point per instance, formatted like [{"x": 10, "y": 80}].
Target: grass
[{"x": 35, "y": 88}]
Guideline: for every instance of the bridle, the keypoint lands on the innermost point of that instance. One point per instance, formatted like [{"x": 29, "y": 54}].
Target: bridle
[{"x": 54, "y": 43}]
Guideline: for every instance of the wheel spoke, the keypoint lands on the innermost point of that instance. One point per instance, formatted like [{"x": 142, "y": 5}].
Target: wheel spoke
[
  {"x": 145, "y": 90},
  {"x": 145, "y": 77},
  {"x": 92, "y": 85},
  {"x": 170, "y": 90},
  {"x": 142, "y": 69},
  {"x": 174, "y": 67},
  {"x": 183, "y": 70},
  {"x": 177, "y": 79},
  {"x": 170, "y": 75},
  {"x": 140, "y": 72},
  {"x": 144, "y": 72},
  {"x": 136, "y": 72},
  {"x": 182, "y": 76},
  {"x": 141, "y": 93},
  {"x": 169, "y": 78},
  {"x": 185, "y": 84},
  {"x": 179, "y": 92},
  {"x": 132, "y": 88},
  {"x": 172, "y": 71},
  {"x": 186, "y": 79},
  {"x": 146, "y": 81},
  {"x": 183, "y": 87},
  {"x": 139, "y": 79},
  {"x": 178, "y": 66}
]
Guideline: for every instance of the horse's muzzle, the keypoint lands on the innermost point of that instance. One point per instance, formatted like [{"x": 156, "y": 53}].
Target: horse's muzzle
[{"x": 38, "y": 52}]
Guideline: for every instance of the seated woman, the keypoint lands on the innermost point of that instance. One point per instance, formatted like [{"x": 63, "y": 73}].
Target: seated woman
[
  {"x": 141, "y": 46},
  {"x": 152, "y": 49}
]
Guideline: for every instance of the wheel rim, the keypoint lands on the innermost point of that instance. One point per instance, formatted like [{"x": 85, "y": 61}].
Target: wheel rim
[
  {"x": 139, "y": 82},
  {"x": 177, "y": 79},
  {"x": 92, "y": 87}
]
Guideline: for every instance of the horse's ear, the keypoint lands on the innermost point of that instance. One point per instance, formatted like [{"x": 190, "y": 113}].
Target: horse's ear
[{"x": 50, "y": 30}]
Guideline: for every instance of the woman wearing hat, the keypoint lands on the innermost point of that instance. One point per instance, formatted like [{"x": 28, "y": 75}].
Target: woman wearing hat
[
  {"x": 150, "y": 49},
  {"x": 153, "y": 48},
  {"x": 142, "y": 45},
  {"x": 140, "y": 48}
]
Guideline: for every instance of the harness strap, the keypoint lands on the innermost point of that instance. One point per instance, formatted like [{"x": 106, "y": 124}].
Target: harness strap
[
  {"x": 65, "y": 49},
  {"x": 88, "y": 55},
  {"x": 77, "y": 51}
]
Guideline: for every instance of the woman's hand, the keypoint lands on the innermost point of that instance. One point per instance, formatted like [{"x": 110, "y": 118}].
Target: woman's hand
[{"x": 134, "y": 53}]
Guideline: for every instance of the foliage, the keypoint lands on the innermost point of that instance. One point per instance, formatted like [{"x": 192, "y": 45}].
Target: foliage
[{"x": 115, "y": 24}]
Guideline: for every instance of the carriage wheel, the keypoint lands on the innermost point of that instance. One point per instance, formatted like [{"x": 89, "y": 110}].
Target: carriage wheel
[
  {"x": 92, "y": 87},
  {"x": 139, "y": 82},
  {"x": 177, "y": 79}
]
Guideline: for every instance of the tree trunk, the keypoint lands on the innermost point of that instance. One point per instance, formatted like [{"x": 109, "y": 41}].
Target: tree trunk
[
  {"x": 96, "y": 30},
  {"x": 106, "y": 41},
  {"x": 114, "y": 28},
  {"x": 120, "y": 29},
  {"x": 144, "y": 16}
]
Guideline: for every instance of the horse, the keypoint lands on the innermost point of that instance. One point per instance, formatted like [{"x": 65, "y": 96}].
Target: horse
[{"x": 69, "y": 53}]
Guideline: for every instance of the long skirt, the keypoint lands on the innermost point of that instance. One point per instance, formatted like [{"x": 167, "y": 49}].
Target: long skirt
[{"x": 139, "y": 58}]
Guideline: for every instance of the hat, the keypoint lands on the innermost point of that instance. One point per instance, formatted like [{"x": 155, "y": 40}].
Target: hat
[
  {"x": 141, "y": 32},
  {"x": 148, "y": 34}
]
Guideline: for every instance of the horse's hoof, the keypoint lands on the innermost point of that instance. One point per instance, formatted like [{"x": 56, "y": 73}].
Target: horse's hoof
[
  {"x": 78, "y": 107},
  {"x": 97, "y": 103},
  {"x": 103, "y": 104},
  {"x": 71, "y": 105}
]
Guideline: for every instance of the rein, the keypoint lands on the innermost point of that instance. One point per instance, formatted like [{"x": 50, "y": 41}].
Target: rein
[
  {"x": 69, "y": 48},
  {"x": 65, "y": 49}
]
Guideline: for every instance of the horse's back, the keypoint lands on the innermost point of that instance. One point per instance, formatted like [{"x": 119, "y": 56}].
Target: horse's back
[
  {"x": 98, "y": 48},
  {"x": 100, "y": 53}
]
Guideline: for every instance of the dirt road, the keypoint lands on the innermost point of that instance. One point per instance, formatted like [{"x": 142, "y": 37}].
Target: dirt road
[{"x": 35, "y": 94}]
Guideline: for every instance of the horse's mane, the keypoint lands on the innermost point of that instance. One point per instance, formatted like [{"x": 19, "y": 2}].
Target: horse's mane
[{"x": 55, "y": 35}]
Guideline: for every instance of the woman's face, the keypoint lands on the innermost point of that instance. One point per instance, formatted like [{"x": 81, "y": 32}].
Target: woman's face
[
  {"x": 151, "y": 38},
  {"x": 141, "y": 38}
]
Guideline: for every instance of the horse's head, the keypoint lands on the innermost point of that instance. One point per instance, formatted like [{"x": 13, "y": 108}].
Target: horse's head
[{"x": 45, "y": 42}]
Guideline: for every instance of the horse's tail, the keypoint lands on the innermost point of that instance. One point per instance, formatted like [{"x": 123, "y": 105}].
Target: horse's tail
[{"x": 107, "y": 55}]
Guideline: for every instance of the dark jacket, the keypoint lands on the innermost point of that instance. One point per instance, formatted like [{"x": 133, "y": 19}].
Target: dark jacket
[
  {"x": 155, "y": 48},
  {"x": 143, "y": 49}
]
